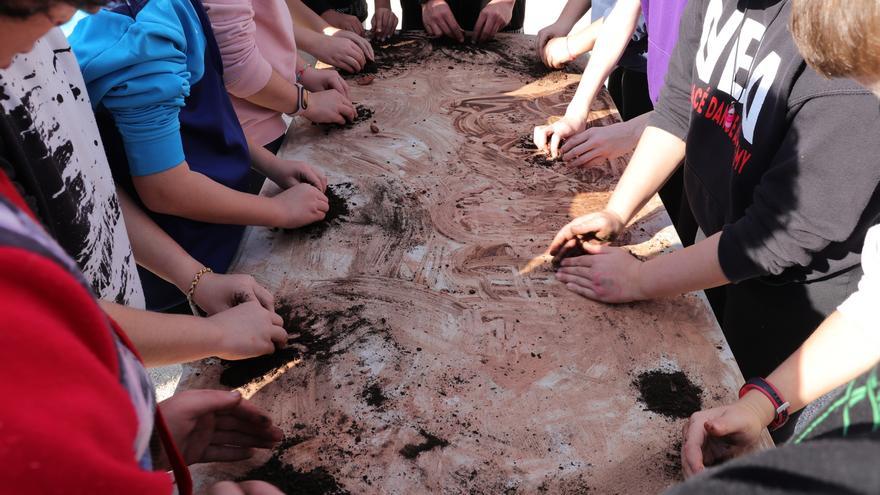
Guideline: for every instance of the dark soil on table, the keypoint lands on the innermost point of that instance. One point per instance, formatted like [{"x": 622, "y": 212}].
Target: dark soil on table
[
  {"x": 411, "y": 451},
  {"x": 672, "y": 467},
  {"x": 364, "y": 114},
  {"x": 338, "y": 212},
  {"x": 669, "y": 393},
  {"x": 374, "y": 396},
  {"x": 312, "y": 336},
  {"x": 537, "y": 157},
  {"x": 292, "y": 481}
]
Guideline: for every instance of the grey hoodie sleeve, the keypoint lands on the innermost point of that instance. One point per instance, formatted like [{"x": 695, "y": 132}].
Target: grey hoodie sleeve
[{"x": 819, "y": 189}]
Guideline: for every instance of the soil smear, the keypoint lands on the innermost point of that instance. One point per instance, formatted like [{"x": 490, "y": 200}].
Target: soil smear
[
  {"x": 669, "y": 393},
  {"x": 312, "y": 336},
  {"x": 411, "y": 450},
  {"x": 292, "y": 481},
  {"x": 339, "y": 211}
]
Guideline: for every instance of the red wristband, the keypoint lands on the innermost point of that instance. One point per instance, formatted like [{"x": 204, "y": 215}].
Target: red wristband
[{"x": 779, "y": 404}]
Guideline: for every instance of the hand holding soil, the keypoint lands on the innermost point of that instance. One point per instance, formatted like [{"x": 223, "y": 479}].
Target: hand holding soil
[
  {"x": 384, "y": 24},
  {"x": 440, "y": 21},
  {"x": 218, "y": 292},
  {"x": 247, "y": 330},
  {"x": 300, "y": 205},
  {"x": 603, "y": 226},
  {"x": 549, "y": 137},
  {"x": 492, "y": 19},
  {"x": 329, "y": 107},
  {"x": 607, "y": 274}
]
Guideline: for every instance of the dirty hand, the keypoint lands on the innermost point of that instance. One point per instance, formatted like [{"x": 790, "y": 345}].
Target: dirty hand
[
  {"x": 300, "y": 205},
  {"x": 322, "y": 79},
  {"x": 548, "y": 137},
  {"x": 244, "y": 488},
  {"x": 362, "y": 43},
  {"x": 343, "y": 21},
  {"x": 607, "y": 274},
  {"x": 218, "y": 292},
  {"x": 288, "y": 173},
  {"x": 440, "y": 21},
  {"x": 217, "y": 426},
  {"x": 605, "y": 226},
  {"x": 341, "y": 52},
  {"x": 598, "y": 144},
  {"x": 248, "y": 330},
  {"x": 556, "y": 53},
  {"x": 329, "y": 107},
  {"x": 716, "y": 435},
  {"x": 494, "y": 16},
  {"x": 384, "y": 23},
  {"x": 545, "y": 35}
]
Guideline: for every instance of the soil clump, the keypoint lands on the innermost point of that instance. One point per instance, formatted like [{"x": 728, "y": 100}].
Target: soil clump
[
  {"x": 669, "y": 393},
  {"x": 374, "y": 396},
  {"x": 292, "y": 481},
  {"x": 339, "y": 211},
  {"x": 537, "y": 157},
  {"x": 411, "y": 450}
]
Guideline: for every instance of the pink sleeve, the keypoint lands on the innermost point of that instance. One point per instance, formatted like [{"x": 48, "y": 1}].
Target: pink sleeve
[{"x": 244, "y": 69}]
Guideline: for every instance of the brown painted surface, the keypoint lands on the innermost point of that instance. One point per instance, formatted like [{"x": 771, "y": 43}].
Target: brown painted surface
[{"x": 450, "y": 311}]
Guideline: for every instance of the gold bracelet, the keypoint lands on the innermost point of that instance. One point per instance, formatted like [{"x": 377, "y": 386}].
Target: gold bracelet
[{"x": 192, "y": 289}]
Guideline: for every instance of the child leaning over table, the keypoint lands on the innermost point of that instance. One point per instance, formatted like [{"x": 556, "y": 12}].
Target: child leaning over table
[
  {"x": 154, "y": 74},
  {"x": 780, "y": 173},
  {"x": 263, "y": 73}
]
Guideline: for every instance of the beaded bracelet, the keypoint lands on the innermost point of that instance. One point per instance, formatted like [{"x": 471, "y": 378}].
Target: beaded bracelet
[{"x": 192, "y": 290}]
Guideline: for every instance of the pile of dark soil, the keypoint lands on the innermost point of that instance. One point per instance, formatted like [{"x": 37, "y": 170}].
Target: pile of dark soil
[
  {"x": 374, "y": 396},
  {"x": 411, "y": 451},
  {"x": 339, "y": 211},
  {"x": 364, "y": 114},
  {"x": 670, "y": 394},
  {"x": 292, "y": 481}
]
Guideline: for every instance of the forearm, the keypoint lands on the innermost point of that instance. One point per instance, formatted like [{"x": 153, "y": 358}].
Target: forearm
[
  {"x": 838, "y": 351},
  {"x": 686, "y": 270},
  {"x": 584, "y": 40},
  {"x": 304, "y": 17},
  {"x": 657, "y": 155},
  {"x": 163, "y": 339},
  {"x": 262, "y": 159},
  {"x": 189, "y": 194},
  {"x": 613, "y": 38},
  {"x": 154, "y": 249},
  {"x": 278, "y": 94},
  {"x": 381, "y": 4},
  {"x": 572, "y": 12}
]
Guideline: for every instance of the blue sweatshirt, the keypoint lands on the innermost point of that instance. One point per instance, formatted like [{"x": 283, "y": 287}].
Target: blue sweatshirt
[{"x": 155, "y": 77}]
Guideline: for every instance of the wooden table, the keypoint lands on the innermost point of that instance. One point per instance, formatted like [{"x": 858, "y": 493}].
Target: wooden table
[{"x": 439, "y": 354}]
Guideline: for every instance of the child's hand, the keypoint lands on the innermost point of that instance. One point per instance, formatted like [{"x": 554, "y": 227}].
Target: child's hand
[
  {"x": 598, "y": 144},
  {"x": 550, "y": 32},
  {"x": 300, "y": 205},
  {"x": 340, "y": 51},
  {"x": 330, "y": 106},
  {"x": 288, "y": 173},
  {"x": 244, "y": 488},
  {"x": 606, "y": 274},
  {"x": 360, "y": 41},
  {"x": 323, "y": 79},
  {"x": 555, "y": 54},
  {"x": 384, "y": 23},
  {"x": 440, "y": 21},
  {"x": 716, "y": 435},
  {"x": 343, "y": 21},
  {"x": 217, "y": 425},
  {"x": 218, "y": 292},
  {"x": 493, "y": 18},
  {"x": 604, "y": 226},
  {"x": 557, "y": 132},
  {"x": 248, "y": 330}
]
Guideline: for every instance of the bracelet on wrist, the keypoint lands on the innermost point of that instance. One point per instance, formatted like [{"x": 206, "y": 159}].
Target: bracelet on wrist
[
  {"x": 780, "y": 405},
  {"x": 302, "y": 100},
  {"x": 192, "y": 290}
]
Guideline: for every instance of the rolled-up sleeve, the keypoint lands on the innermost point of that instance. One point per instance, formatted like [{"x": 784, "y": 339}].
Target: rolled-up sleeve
[
  {"x": 245, "y": 69},
  {"x": 815, "y": 192},
  {"x": 141, "y": 71}
]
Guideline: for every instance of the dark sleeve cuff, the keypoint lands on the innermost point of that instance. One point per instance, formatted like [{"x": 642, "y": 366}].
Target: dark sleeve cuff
[
  {"x": 734, "y": 257},
  {"x": 661, "y": 118}
]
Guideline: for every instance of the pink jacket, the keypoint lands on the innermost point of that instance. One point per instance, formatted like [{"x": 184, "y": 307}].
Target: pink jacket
[{"x": 252, "y": 43}]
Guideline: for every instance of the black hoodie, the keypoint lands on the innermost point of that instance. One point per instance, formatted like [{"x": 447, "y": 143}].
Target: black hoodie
[{"x": 791, "y": 182}]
